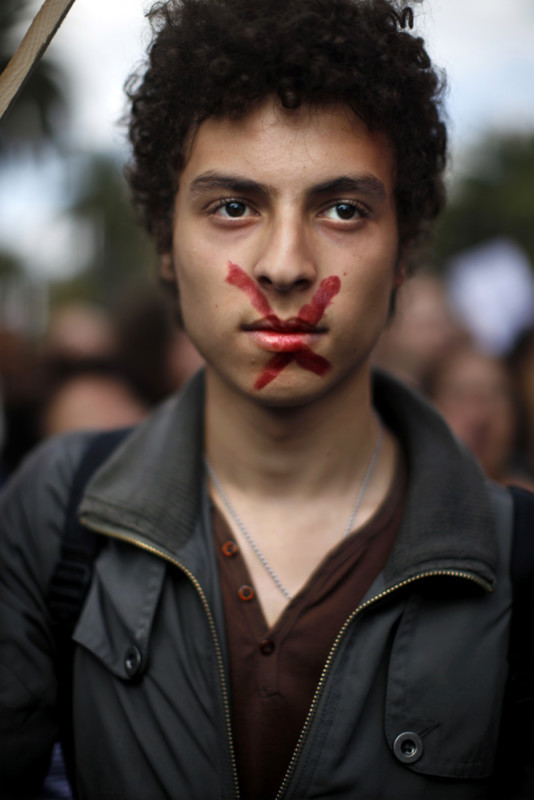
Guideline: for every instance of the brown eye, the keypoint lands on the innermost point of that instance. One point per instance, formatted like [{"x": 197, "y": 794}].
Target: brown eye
[
  {"x": 234, "y": 208},
  {"x": 346, "y": 210}
]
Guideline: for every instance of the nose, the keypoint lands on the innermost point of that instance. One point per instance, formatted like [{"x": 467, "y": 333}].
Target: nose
[{"x": 285, "y": 261}]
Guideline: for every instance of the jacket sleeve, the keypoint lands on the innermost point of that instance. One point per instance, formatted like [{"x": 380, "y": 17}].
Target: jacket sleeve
[{"x": 31, "y": 524}]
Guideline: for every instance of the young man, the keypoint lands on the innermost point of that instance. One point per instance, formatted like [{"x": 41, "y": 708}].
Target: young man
[{"x": 302, "y": 589}]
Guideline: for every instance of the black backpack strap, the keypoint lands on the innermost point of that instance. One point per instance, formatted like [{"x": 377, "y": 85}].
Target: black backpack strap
[
  {"x": 71, "y": 579},
  {"x": 515, "y": 758},
  {"x": 521, "y": 648}
]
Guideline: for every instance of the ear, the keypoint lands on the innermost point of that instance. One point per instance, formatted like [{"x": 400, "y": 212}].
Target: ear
[
  {"x": 399, "y": 278},
  {"x": 166, "y": 268},
  {"x": 401, "y": 269}
]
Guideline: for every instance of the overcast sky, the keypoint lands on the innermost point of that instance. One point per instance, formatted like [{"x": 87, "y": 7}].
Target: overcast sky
[{"x": 485, "y": 46}]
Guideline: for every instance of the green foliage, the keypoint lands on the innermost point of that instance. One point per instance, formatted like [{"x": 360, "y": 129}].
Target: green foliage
[
  {"x": 121, "y": 255},
  {"x": 494, "y": 199},
  {"x": 10, "y": 264}
]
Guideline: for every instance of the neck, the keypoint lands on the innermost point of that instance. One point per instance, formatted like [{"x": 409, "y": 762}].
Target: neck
[
  {"x": 293, "y": 476},
  {"x": 284, "y": 451}
]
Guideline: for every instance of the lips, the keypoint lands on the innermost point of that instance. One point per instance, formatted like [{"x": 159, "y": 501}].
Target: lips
[
  {"x": 283, "y": 336},
  {"x": 291, "y": 339},
  {"x": 273, "y": 323},
  {"x": 278, "y": 342}
]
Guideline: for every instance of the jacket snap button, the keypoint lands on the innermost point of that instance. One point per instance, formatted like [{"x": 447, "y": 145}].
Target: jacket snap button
[
  {"x": 408, "y": 747},
  {"x": 132, "y": 661}
]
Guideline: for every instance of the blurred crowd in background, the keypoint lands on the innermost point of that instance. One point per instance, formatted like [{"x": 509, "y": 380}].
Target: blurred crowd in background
[
  {"x": 92, "y": 369},
  {"x": 99, "y": 346},
  {"x": 485, "y": 392}
]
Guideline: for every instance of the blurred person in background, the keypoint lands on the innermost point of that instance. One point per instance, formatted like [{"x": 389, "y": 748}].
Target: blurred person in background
[
  {"x": 154, "y": 351},
  {"x": 91, "y": 399},
  {"x": 474, "y": 393},
  {"x": 86, "y": 386},
  {"x": 80, "y": 332},
  {"x": 107, "y": 371},
  {"x": 23, "y": 378},
  {"x": 3, "y": 474},
  {"x": 421, "y": 331},
  {"x": 521, "y": 365}
]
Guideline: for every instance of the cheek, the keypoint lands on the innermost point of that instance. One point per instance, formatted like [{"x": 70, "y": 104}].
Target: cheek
[
  {"x": 385, "y": 279},
  {"x": 370, "y": 289},
  {"x": 204, "y": 302},
  {"x": 365, "y": 302},
  {"x": 194, "y": 273}
]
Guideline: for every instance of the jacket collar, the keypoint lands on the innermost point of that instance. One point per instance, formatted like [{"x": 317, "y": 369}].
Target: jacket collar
[
  {"x": 448, "y": 520},
  {"x": 151, "y": 486}
]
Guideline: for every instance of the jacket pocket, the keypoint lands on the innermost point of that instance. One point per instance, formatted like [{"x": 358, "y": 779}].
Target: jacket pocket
[
  {"x": 116, "y": 622},
  {"x": 446, "y": 683}
]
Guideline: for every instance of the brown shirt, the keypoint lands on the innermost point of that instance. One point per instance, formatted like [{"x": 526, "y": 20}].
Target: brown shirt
[{"x": 274, "y": 672}]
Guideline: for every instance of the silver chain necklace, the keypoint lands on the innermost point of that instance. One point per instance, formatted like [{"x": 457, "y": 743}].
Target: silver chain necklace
[{"x": 357, "y": 503}]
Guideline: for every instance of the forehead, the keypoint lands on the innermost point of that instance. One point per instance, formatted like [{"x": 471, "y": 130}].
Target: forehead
[{"x": 285, "y": 148}]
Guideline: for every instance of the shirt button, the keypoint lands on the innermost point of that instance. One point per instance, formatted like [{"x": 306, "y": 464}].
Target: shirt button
[
  {"x": 246, "y": 593},
  {"x": 266, "y": 647},
  {"x": 230, "y": 549}
]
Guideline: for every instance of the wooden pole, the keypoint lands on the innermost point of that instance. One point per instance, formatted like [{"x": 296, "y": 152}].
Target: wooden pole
[{"x": 37, "y": 38}]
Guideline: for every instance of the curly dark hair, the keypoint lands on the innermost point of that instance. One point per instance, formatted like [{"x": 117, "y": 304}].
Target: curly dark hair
[{"x": 222, "y": 58}]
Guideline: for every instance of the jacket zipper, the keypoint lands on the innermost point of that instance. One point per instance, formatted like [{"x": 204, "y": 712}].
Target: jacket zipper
[
  {"x": 333, "y": 650},
  {"x": 326, "y": 669},
  {"x": 211, "y": 622}
]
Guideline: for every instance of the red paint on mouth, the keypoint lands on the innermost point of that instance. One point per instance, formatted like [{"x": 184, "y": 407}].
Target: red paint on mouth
[
  {"x": 314, "y": 311},
  {"x": 308, "y": 317},
  {"x": 306, "y": 359},
  {"x": 236, "y": 277},
  {"x": 311, "y": 361},
  {"x": 273, "y": 368}
]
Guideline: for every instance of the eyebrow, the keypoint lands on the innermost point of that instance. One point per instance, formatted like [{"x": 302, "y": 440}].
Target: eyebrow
[
  {"x": 229, "y": 183},
  {"x": 366, "y": 184}
]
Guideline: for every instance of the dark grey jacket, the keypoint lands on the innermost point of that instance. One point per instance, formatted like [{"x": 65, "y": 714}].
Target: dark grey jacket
[{"x": 409, "y": 702}]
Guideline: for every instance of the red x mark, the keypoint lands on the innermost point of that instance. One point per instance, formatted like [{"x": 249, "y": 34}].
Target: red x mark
[{"x": 309, "y": 315}]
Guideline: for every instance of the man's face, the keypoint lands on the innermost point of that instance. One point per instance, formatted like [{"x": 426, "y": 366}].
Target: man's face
[{"x": 285, "y": 247}]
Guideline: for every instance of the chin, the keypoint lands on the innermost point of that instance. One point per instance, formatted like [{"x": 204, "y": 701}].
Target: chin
[{"x": 291, "y": 394}]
